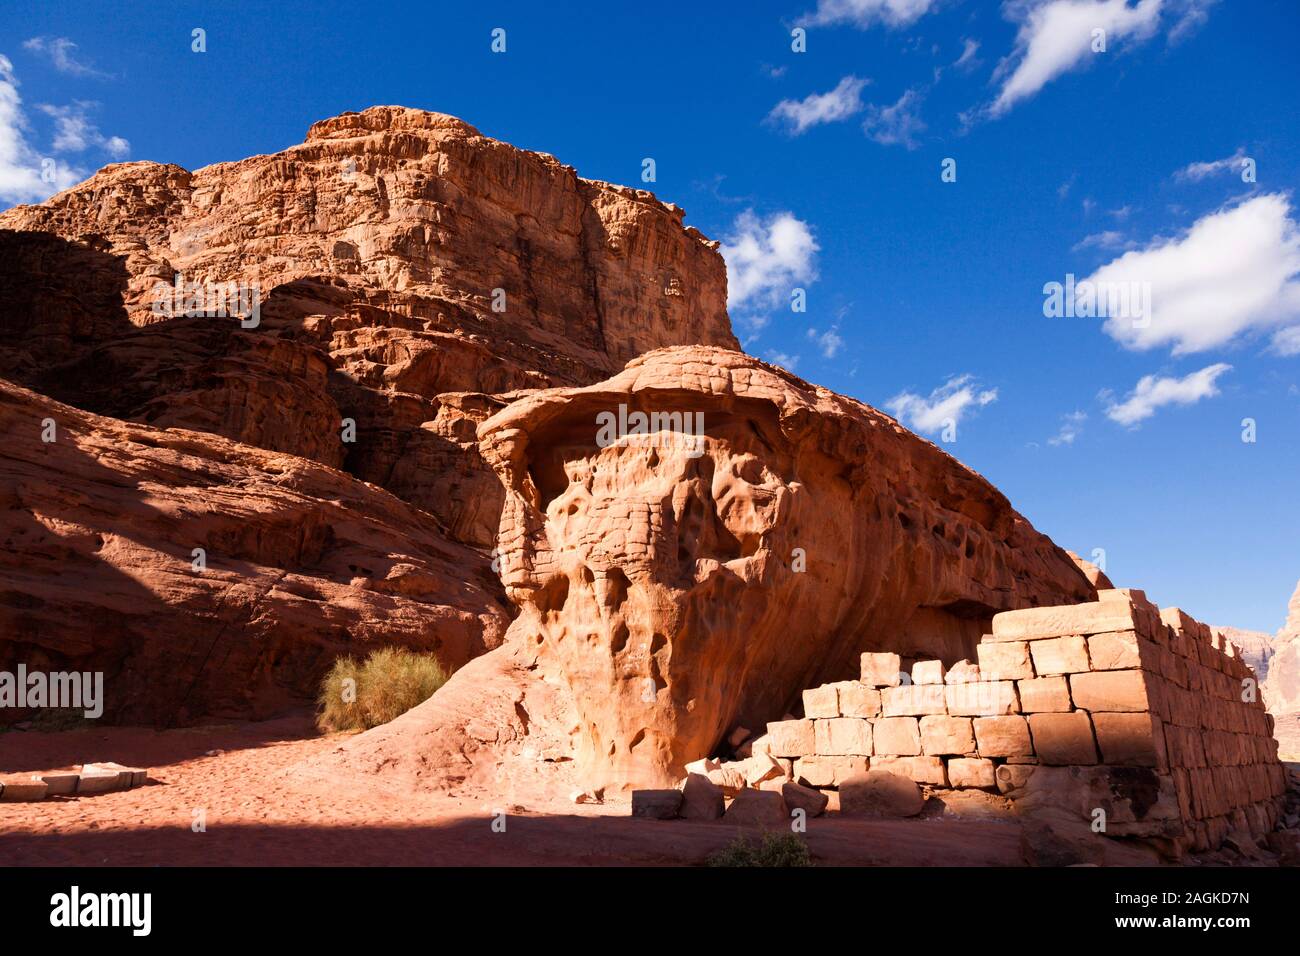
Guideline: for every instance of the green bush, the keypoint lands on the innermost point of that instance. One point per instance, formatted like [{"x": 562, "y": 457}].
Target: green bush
[
  {"x": 389, "y": 683},
  {"x": 777, "y": 849}
]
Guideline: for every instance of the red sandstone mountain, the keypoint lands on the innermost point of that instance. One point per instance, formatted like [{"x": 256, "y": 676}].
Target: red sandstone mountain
[
  {"x": 1282, "y": 688},
  {"x": 415, "y": 278}
]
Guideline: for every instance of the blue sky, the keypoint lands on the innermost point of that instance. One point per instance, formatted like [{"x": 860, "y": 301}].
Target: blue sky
[{"x": 822, "y": 170}]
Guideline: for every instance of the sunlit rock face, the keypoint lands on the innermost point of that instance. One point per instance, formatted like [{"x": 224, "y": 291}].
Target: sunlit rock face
[{"x": 682, "y": 583}]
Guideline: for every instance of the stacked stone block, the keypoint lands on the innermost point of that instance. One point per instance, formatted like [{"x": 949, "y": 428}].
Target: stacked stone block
[{"x": 1116, "y": 683}]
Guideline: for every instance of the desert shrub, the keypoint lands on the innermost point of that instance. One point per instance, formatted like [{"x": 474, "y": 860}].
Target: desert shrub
[
  {"x": 387, "y": 684},
  {"x": 777, "y": 849}
]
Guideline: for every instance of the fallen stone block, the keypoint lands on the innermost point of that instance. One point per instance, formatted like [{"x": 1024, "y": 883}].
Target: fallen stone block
[
  {"x": 1039, "y": 623},
  {"x": 946, "y": 735},
  {"x": 791, "y": 738},
  {"x": 1044, "y": 695},
  {"x": 880, "y": 793},
  {"x": 761, "y": 767},
  {"x": 914, "y": 700},
  {"x": 918, "y": 769},
  {"x": 704, "y": 765},
  {"x": 131, "y": 776},
  {"x": 927, "y": 672},
  {"x": 823, "y": 701},
  {"x": 764, "y": 808},
  {"x": 1110, "y": 691},
  {"x": 1060, "y": 655},
  {"x": 971, "y": 772},
  {"x": 1004, "y": 736},
  {"x": 1006, "y": 660},
  {"x": 858, "y": 700},
  {"x": 22, "y": 789},
  {"x": 1135, "y": 740},
  {"x": 982, "y": 699},
  {"x": 730, "y": 778},
  {"x": 656, "y": 804},
  {"x": 97, "y": 778},
  {"x": 1012, "y": 778},
  {"x": 701, "y": 799},
  {"x": 60, "y": 783},
  {"x": 1063, "y": 739},
  {"x": 823, "y": 772},
  {"x": 881, "y": 669},
  {"x": 798, "y": 797}
]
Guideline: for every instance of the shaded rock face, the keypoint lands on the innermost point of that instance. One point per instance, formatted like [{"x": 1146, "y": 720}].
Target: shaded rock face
[
  {"x": 301, "y": 564},
  {"x": 398, "y": 255},
  {"x": 681, "y": 585}
]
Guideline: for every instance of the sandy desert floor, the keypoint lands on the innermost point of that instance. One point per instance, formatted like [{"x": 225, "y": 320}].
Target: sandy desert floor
[{"x": 259, "y": 813}]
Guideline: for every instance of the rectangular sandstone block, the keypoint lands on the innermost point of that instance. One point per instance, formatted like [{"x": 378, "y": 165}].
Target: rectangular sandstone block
[
  {"x": 842, "y": 737},
  {"x": 1120, "y": 650},
  {"x": 1131, "y": 740},
  {"x": 1044, "y": 695},
  {"x": 881, "y": 669},
  {"x": 982, "y": 698},
  {"x": 913, "y": 700},
  {"x": 1061, "y": 655},
  {"x": 22, "y": 789},
  {"x": 1006, "y": 736},
  {"x": 896, "y": 736},
  {"x": 1038, "y": 623},
  {"x": 971, "y": 772},
  {"x": 941, "y": 736},
  {"x": 828, "y": 771},
  {"x": 927, "y": 672},
  {"x": 821, "y": 701},
  {"x": 858, "y": 700},
  {"x": 790, "y": 738},
  {"x": 1063, "y": 739},
  {"x": 1110, "y": 691},
  {"x": 918, "y": 769},
  {"x": 1005, "y": 660}
]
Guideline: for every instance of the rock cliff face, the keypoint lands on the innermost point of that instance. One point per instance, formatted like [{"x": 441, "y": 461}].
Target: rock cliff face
[
  {"x": 1282, "y": 689},
  {"x": 396, "y": 255},
  {"x": 299, "y": 564},
  {"x": 679, "y": 584},
  {"x": 364, "y": 300}
]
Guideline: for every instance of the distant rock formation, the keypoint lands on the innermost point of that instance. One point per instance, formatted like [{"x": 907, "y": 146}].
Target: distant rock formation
[{"x": 1282, "y": 688}]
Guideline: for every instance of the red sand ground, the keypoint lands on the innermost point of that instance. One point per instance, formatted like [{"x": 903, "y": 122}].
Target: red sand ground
[{"x": 259, "y": 814}]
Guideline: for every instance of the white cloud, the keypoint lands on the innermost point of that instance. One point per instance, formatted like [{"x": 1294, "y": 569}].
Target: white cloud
[
  {"x": 946, "y": 404},
  {"x": 1286, "y": 342},
  {"x": 62, "y": 53},
  {"x": 1056, "y": 37},
  {"x": 783, "y": 359},
  {"x": 1154, "y": 392},
  {"x": 967, "y": 60},
  {"x": 864, "y": 14},
  {"x": 1071, "y": 426},
  {"x": 1107, "y": 239},
  {"x": 75, "y": 133},
  {"x": 25, "y": 175},
  {"x": 1235, "y": 270},
  {"x": 1195, "y": 172},
  {"x": 766, "y": 259},
  {"x": 817, "y": 108},
  {"x": 895, "y": 125},
  {"x": 829, "y": 342}
]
